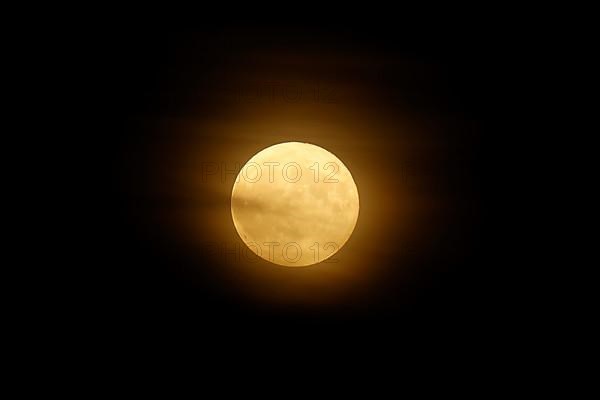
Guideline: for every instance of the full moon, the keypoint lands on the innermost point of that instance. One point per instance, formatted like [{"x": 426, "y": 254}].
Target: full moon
[{"x": 294, "y": 204}]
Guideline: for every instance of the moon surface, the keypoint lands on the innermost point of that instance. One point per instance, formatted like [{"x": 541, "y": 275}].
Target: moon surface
[{"x": 294, "y": 204}]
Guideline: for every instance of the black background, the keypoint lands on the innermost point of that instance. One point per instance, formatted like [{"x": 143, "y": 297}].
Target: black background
[{"x": 126, "y": 281}]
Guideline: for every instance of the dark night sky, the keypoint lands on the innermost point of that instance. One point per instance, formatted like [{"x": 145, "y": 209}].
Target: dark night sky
[{"x": 441, "y": 83}]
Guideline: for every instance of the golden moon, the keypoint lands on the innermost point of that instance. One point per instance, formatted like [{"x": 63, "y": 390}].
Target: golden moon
[{"x": 294, "y": 204}]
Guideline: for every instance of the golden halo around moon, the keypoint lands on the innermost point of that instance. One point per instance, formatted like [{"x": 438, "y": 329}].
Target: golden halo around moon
[{"x": 294, "y": 204}]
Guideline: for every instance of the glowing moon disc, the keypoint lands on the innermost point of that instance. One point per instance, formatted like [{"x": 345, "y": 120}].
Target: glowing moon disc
[{"x": 294, "y": 204}]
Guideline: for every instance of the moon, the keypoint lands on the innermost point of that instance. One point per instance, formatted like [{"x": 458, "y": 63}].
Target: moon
[{"x": 294, "y": 204}]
